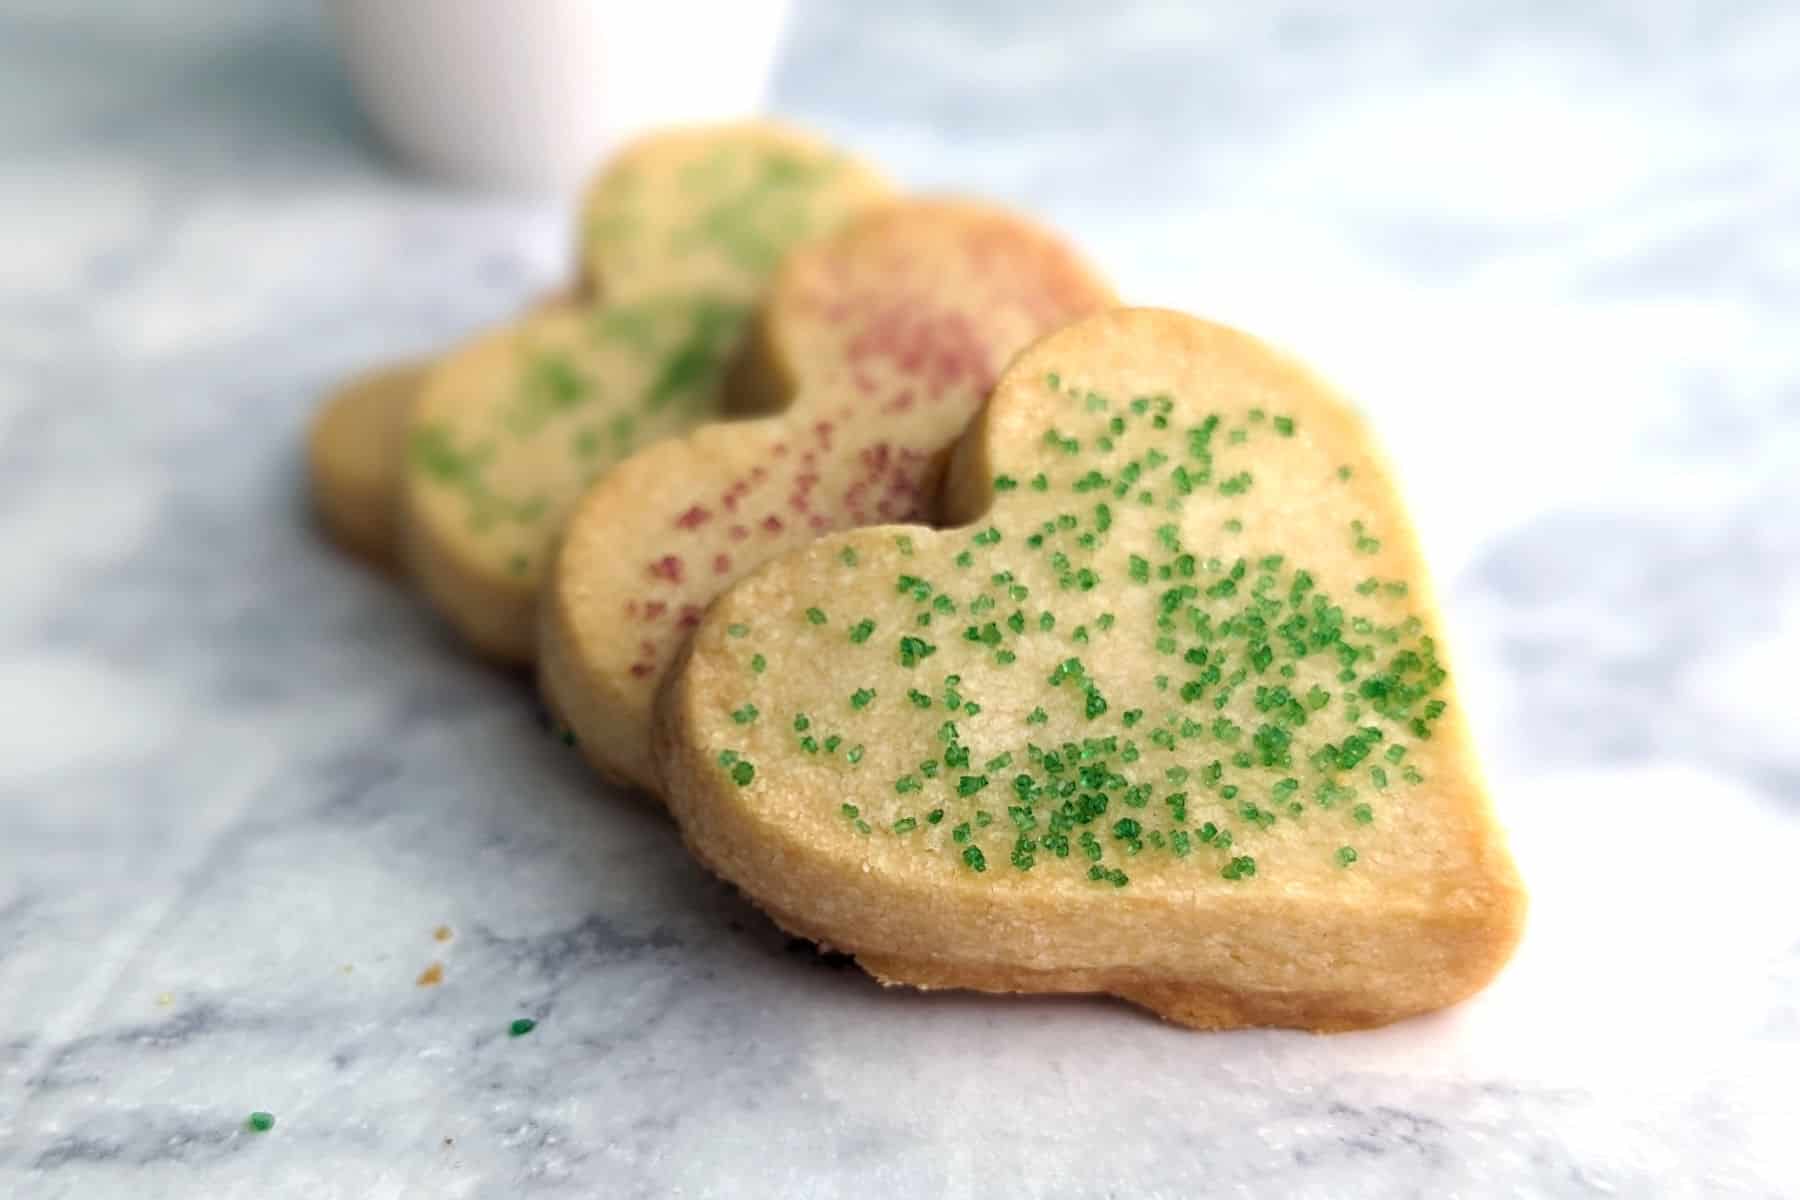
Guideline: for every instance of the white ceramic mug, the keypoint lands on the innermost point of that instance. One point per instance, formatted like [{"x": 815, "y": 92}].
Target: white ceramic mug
[{"x": 531, "y": 94}]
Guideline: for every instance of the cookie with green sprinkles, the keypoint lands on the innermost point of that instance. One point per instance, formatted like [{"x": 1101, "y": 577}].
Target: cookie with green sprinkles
[
  {"x": 1130, "y": 726},
  {"x": 876, "y": 347},
  {"x": 680, "y": 237}
]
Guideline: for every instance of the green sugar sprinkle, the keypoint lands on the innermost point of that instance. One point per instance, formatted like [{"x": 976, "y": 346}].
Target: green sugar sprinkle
[
  {"x": 744, "y": 715},
  {"x": 737, "y": 631},
  {"x": 260, "y": 1122},
  {"x": 915, "y": 650},
  {"x": 847, "y": 556},
  {"x": 742, "y": 773},
  {"x": 860, "y": 698},
  {"x": 521, "y": 1027},
  {"x": 815, "y": 616},
  {"x": 1346, "y": 855},
  {"x": 1364, "y": 543},
  {"x": 758, "y": 663},
  {"x": 860, "y": 632},
  {"x": 1241, "y": 867}
]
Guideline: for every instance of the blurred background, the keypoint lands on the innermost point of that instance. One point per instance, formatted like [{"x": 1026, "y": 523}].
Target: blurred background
[{"x": 1554, "y": 251}]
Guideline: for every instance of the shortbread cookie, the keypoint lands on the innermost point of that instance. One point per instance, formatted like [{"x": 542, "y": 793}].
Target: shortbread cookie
[
  {"x": 1169, "y": 716},
  {"x": 512, "y": 427},
  {"x": 877, "y": 346},
  {"x": 353, "y": 457}
]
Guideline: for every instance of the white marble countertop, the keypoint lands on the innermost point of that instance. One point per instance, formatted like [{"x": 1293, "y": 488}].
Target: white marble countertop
[{"x": 242, "y": 781}]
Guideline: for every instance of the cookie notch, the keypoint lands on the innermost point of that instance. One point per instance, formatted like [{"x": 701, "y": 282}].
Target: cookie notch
[
  {"x": 874, "y": 349},
  {"x": 1169, "y": 718}
]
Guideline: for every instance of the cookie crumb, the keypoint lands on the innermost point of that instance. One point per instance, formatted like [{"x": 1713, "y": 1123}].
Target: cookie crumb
[{"x": 431, "y": 976}]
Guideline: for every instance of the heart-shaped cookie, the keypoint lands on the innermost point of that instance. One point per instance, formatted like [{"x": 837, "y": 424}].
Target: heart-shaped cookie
[
  {"x": 1169, "y": 717},
  {"x": 876, "y": 346},
  {"x": 679, "y": 236}
]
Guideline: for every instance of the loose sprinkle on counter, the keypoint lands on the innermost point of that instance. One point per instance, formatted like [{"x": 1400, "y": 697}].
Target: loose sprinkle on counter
[
  {"x": 261, "y": 1122},
  {"x": 520, "y": 1027}
]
